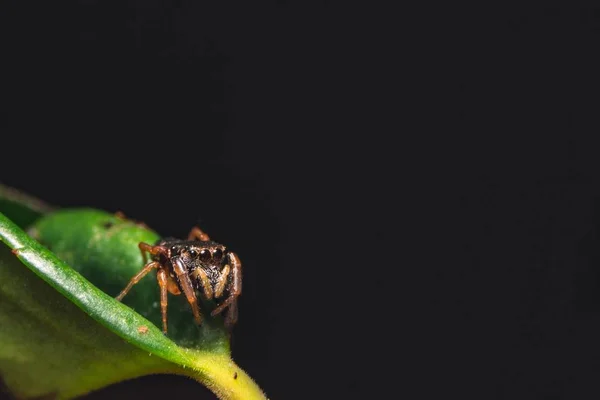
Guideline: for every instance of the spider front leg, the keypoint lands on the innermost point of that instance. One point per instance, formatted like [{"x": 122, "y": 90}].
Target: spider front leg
[
  {"x": 188, "y": 289},
  {"x": 147, "y": 268},
  {"x": 235, "y": 289}
]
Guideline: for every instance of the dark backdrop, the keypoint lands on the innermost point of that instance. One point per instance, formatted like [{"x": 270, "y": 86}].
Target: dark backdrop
[{"x": 415, "y": 195}]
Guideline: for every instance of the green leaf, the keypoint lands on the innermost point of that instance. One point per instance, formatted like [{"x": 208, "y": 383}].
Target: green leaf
[
  {"x": 104, "y": 249},
  {"x": 61, "y": 335}
]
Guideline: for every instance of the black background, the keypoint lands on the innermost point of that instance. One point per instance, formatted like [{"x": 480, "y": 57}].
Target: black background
[{"x": 414, "y": 194}]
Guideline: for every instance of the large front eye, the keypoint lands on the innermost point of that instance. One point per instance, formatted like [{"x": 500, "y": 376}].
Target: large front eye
[
  {"x": 193, "y": 253},
  {"x": 204, "y": 255},
  {"x": 218, "y": 254}
]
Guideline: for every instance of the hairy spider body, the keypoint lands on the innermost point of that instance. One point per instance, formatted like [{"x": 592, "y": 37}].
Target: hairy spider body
[{"x": 197, "y": 264}]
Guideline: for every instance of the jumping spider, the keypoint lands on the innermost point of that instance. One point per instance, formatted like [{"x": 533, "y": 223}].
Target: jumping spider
[{"x": 185, "y": 266}]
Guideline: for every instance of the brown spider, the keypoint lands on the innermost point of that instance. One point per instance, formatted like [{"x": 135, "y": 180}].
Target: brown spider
[{"x": 185, "y": 266}]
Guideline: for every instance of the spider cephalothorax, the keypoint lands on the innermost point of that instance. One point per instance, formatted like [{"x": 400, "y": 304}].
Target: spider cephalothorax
[{"x": 195, "y": 264}]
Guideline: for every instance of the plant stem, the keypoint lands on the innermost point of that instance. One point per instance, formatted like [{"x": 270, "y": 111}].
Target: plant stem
[{"x": 221, "y": 375}]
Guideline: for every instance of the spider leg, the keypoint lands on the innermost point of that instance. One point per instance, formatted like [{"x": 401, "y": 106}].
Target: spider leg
[
  {"x": 161, "y": 276},
  {"x": 147, "y": 268},
  {"x": 234, "y": 292},
  {"x": 220, "y": 286},
  {"x": 232, "y": 315},
  {"x": 154, "y": 250},
  {"x": 143, "y": 251},
  {"x": 228, "y": 301},
  {"x": 188, "y": 289},
  {"x": 196, "y": 233}
]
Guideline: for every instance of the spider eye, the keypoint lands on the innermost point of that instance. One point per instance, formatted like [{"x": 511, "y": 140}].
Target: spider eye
[
  {"x": 218, "y": 254},
  {"x": 173, "y": 250},
  {"x": 193, "y": 253},
  {"x": 204, "y": 255}
]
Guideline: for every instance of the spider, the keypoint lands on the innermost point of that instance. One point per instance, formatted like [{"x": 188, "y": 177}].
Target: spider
[{"x": 197, "y": 263}]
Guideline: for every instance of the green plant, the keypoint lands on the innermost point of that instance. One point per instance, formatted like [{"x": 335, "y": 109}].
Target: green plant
[{"x": 62, "y": 331}]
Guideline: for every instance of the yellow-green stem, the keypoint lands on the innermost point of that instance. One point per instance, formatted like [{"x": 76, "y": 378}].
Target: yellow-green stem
[{"x": 222, "y": 376}]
